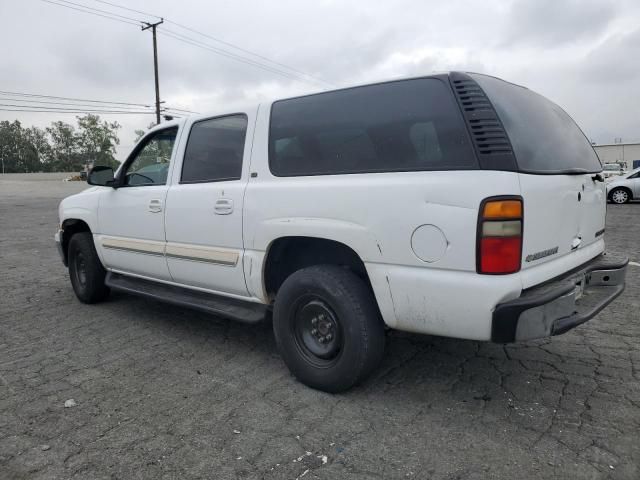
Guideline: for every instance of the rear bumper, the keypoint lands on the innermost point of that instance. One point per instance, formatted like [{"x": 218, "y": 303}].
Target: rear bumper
[{"x": 561, "y": 304}]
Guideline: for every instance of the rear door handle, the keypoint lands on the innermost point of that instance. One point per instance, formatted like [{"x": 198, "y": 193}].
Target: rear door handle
[
  {"x": 223, "y": 206},
  {"x": 155, "y": 205}
]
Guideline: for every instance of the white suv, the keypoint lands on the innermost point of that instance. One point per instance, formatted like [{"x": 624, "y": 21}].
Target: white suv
[{"x": 454, "y": 204}]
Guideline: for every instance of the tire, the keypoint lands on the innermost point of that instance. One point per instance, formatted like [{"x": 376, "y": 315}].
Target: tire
[
  {"x": 85, "y": 269},
  {"x": 619, "y": 196},
  {"x": 328, "y": 328}
]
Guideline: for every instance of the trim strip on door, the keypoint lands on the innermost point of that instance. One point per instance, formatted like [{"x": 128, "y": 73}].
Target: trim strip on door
[
  {"x": 202, "y": 254},
  {"x": 180, "y": 251},
  {"x": 147, "y": 247}
]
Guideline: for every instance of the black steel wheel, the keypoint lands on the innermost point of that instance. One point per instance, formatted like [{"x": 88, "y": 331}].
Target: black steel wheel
[
  {"x": 328, "y": 328},
  {"x": 85, "y": 269},
  {"x": 317, "y": 331}
]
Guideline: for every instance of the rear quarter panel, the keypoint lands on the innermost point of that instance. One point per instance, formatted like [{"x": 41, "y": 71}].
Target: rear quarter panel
[{"x": 376, "y": 215}]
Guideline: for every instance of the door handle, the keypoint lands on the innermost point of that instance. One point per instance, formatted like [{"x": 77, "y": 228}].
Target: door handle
[
  {"x": 155, "y": 205},
  {"x": 223, "y": 206}
]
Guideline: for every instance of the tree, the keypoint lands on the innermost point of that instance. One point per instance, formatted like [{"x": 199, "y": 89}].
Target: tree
[
  {"x": 141, "y": 133},
  {"x": 36, "y": 150},
  {"x": 60, "y": 147},
  {"x": 98, "y": 140},
  {"x": 10, "y": 140},
  {"x": 65, "y": 155}
]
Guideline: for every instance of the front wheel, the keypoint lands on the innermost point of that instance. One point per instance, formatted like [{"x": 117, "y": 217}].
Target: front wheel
[
  {"x": 619, "y": 196},
  {"x": 85, "y": 269},
  {"x": 328, "y": 328}
]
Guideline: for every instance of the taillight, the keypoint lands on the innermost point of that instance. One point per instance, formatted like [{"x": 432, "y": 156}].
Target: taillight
[{"x": 499, "y": 249}]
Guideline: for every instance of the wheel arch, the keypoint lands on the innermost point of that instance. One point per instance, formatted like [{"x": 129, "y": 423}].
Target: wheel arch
[
  {"x": 288, "y": 254},
  {"x": 70, "y": 227},
  {"x": 363, "y": 248}
]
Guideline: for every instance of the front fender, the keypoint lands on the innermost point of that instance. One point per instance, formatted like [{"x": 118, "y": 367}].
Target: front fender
[
  {"x": 77, "y": 213},
  {"x": 82, "y": 206}
]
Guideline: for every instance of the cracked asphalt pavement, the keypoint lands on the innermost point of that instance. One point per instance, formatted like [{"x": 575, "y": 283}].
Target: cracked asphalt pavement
[{"x": 163, "y": 392}]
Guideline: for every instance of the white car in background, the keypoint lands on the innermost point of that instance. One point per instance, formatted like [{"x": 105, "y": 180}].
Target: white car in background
[{"x": 624, "y": 188}]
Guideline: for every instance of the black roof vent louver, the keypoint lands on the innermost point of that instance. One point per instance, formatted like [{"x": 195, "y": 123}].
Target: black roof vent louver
[{"x": 489, "y": 137}]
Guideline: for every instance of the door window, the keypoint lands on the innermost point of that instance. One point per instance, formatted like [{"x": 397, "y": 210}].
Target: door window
[
  {"x": 151, "y": 163},
  {"x": 214, "y": 150}
]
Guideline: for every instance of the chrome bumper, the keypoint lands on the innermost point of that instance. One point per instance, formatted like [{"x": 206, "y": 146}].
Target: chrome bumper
[{"x": 558, "y": 306}]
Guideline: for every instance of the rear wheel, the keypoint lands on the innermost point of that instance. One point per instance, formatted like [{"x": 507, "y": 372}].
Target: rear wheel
[
  {"x": 619, "y": 195},
  {"x": 85, "y": 269},
  {"x": 328, "y": 328}
]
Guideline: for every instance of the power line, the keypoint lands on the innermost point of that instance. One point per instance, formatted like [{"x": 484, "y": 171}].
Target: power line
[
  {"x": 45, "y": 109},
  {"x": 89, "y": 12},
  {"x": 243, "y": 59},
  {"x": 300, "y": 72},
  {"x": 101, "y": 11},
  {"x": 127, "y": 8},
  {"x": 181, "y": 110},
  {"x": 224, "y": 53},
  {"x": 24, "y": 94},
  {"x": 62, "y": 108},
  {"x": 59, "y": 104},
  {"x": 107, "y": 112},
  {"x": 215, "y": 39},
  {"x": 66, "y": 102}
]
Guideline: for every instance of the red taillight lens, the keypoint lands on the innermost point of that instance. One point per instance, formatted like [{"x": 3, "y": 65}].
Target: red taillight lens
[
  {"x": 500, "y": 236},
  {"x": 500, "y": 254}
]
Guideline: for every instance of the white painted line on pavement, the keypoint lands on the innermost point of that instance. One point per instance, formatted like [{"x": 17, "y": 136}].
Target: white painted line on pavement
[{"x": 635, "y": 264}]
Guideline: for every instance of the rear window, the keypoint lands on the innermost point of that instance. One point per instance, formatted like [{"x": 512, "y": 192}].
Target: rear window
[
  {"x": 544, "y": 137},
  {"x": 407, "y": 125}
]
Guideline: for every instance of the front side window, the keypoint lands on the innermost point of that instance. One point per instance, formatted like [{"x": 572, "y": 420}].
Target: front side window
[
  {"x": 214, "y": 150},
  {"x": 407, "y": 125},
  {"x": 151, "y": 164}
]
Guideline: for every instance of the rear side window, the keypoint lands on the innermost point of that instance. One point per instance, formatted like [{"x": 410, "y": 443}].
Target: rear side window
[
  {"x": 544, "y": 137},
  {"x": 214, "y": 150},
  {"x": 407, "y": 125}
]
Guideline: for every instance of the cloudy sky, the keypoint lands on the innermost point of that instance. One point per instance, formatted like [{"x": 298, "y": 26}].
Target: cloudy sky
[{"x": 583, "y": 54}]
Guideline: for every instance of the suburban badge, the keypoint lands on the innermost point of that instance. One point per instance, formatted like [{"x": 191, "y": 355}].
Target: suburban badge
[{"x": 544, "y": 253}]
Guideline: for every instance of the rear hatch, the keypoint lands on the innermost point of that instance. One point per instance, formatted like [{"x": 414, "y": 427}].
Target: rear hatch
[{"x": 564, "y": 198}]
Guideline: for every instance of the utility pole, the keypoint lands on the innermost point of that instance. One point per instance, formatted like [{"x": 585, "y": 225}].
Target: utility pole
[{"x": 153, "y": 26}]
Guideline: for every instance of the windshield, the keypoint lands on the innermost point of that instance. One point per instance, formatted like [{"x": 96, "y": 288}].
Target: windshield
[{"x": 544, "y": 137}]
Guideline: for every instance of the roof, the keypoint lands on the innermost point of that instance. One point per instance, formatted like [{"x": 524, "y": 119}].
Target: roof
[{"x": 268, "y": 101}]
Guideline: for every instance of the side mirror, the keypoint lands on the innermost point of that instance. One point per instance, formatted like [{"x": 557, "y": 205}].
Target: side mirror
[{"x": 102, "y": 176}]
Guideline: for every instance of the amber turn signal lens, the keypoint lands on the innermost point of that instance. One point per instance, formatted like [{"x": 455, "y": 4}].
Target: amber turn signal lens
[{"x": 503, "y": 209}]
